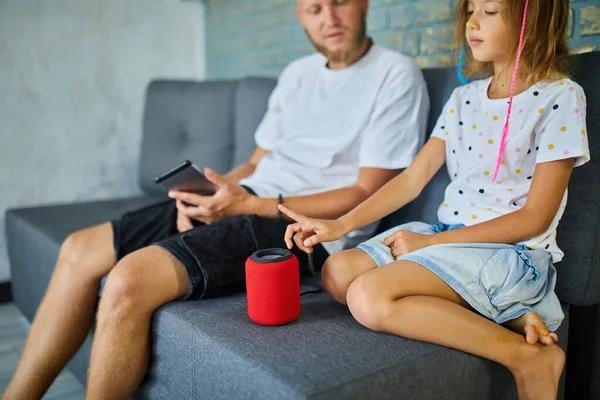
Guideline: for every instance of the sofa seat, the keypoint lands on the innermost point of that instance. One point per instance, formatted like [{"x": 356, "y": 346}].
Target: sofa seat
[{"x": 210, "y": 348}]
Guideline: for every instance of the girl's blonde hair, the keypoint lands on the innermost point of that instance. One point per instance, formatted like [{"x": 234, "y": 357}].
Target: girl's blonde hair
[{"x": 545, "y": 51}]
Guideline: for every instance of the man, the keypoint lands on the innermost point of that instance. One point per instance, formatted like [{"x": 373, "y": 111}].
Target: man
[{"x": 339, "y": 125}]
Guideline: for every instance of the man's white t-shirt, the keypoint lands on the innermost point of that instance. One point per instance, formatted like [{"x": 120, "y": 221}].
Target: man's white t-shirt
[
  {"x": 547, "y": 123},
  {"x": 323, "y": 125}
]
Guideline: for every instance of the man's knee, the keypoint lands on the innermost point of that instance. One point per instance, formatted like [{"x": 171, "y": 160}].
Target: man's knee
[
  {"x": 73, "y": 253},
  {"x": 121, "y": 295},
  {"x": 87, "y": 253},
  {"x": 336, "y": 276},
  {"x": 140, "y": 283},
  {"x": 73, "y": 247}
]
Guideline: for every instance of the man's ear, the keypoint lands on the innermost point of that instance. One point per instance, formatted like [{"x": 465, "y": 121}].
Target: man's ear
[
  {"x": 365, "y": 4},
  {"x": 299, "y": 11}
]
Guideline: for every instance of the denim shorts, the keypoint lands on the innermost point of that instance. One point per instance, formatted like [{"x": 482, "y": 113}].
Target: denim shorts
[
  {"x": 214, "y": 255},
  {"x": 500, "y": 281}
]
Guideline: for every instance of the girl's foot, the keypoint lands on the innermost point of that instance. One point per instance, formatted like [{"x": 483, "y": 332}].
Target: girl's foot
[
  {"x": 535, "y": 330},
  {"x": 538, "y": 371}
]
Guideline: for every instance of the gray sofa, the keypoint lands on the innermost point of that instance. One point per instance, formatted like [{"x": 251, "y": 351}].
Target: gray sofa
[{"x": 211, "y": 350}]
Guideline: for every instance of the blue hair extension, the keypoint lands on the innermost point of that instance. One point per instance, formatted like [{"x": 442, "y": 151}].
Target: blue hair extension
[{"x": 461, "y": 78}]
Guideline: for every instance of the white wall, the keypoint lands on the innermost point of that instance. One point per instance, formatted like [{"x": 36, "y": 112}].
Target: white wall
[{"x": 72, "y": 81}]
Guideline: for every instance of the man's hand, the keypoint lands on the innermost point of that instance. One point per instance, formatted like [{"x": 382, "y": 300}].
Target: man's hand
[
  {"x": 404, "y": 242},
  {"x": 184, "y": 223},
  {"x": 229, "y": 200},
  {"x": 308, "y": 232}
]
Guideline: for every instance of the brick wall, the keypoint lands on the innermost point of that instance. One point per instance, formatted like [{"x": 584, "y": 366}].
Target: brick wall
[{"x": 260, "y": 37}]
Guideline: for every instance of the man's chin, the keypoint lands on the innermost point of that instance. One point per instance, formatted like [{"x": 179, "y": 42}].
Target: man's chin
[{"x": 337, "y": 53}]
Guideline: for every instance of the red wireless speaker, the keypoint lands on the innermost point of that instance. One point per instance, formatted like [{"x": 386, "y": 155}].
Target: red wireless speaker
[{"x": 273, "y": 287}]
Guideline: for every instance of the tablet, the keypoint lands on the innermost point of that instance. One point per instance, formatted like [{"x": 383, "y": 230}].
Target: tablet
[{"x": 186, "y": 177}]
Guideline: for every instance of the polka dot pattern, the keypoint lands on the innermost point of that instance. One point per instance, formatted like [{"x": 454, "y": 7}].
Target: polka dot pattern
[{"x": 548, "y": 124}]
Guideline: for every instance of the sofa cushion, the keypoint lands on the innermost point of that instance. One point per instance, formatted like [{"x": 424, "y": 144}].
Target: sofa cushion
[
  {"x": 186, "y": 120},
  {"x": 210, "y": 349},
  {"x": 578, "y": 280}
]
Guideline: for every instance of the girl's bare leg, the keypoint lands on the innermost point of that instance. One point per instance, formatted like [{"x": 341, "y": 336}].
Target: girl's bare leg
[{"x": 406, "y": 299}]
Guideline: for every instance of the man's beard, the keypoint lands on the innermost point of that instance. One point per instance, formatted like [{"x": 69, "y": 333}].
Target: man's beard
[{"x": 341, "y": 56}]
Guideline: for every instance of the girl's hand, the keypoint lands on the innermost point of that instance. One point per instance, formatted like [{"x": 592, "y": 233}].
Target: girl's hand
[
  {"x": 308, "y": 232},
  {"x": 404, "y": 242}
]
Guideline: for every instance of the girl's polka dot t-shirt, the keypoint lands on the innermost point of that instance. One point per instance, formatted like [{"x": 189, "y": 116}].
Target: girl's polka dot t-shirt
[{"x": 547, "y": 123}]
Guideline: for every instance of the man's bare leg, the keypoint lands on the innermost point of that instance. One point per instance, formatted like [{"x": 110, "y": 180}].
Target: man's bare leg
[
  {"x": 66, "y": 313},
  {"x": 136, "y": 287}
]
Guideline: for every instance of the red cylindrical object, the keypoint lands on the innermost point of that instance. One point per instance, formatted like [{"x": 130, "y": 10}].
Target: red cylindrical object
[{"x": 273, "y": 287}]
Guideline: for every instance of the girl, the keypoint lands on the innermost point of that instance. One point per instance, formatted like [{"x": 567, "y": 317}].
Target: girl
[{"x": 492, "y": 252}]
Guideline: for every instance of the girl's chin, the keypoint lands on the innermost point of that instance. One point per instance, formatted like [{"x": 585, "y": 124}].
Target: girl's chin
[
  {"x": 482, "y": 58},
  {"x": 481, "y": 55}
]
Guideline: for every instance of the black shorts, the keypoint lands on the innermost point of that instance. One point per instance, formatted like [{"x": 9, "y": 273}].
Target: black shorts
[{"x": 214, "y": 255}]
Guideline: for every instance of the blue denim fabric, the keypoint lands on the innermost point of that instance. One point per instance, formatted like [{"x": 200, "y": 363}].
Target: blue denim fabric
[{"x": 500, "y": 281}]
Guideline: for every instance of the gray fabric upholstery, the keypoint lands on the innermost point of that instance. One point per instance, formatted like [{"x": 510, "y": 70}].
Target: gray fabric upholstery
[
  {"x": 325, "y": 354},
  {"x": 595, "y": 384},
  {"x": 210, "y": 349},
  {"x": 186, "y": 120},
  {"x": 578, "y": 281}
]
